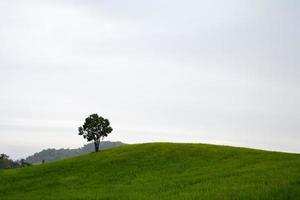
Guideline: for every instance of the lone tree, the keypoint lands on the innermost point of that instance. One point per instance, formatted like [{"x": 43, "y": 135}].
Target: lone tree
[{"x": 94, "y": 129}]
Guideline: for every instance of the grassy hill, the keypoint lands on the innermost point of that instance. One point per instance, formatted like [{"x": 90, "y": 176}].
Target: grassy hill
[{"x": 159, "y": 171}]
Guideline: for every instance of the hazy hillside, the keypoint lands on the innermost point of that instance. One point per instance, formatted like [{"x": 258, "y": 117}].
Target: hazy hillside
[
  {"x": 161, "y": 171},
  {"x": 58, "y": 154}
]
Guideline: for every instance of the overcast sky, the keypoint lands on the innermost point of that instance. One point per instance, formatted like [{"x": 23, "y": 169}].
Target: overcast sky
[{"x": 223, "y": 72}]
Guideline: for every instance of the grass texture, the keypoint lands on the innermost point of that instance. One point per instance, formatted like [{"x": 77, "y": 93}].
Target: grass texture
[{"x": 159, "y": 171}]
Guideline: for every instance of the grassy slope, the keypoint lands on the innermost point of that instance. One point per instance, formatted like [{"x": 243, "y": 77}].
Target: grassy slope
[{"x": 160, "y": 171}]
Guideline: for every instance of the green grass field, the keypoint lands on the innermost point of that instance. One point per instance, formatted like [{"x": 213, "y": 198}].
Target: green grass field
[{"x": 160, "y": 171}]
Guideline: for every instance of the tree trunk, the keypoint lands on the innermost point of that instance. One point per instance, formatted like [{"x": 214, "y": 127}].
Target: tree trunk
[{"x": 97, "y": 144}]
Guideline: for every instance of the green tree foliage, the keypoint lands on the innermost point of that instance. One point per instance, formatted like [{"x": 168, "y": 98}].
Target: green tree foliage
[
  {"x": 24, "y": 163},
  {"x": 6, "y": 163},
  {"x": 3, "y": 156},
  {"x": 94, "y": 129}
]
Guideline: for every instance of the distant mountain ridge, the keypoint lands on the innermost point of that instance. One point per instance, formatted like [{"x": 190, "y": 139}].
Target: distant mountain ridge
[{"x": 58, "y": 154}]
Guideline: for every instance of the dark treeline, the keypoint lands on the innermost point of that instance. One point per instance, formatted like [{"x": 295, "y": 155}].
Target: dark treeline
[{"x": 6, "y": 163}]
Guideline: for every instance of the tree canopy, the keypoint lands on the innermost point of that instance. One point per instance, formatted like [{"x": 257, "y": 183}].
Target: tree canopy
[{"x": 94, "y": 129}]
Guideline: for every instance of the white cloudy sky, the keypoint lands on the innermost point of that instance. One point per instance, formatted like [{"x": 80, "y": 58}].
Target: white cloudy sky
[{"x": 224, "y": 72}]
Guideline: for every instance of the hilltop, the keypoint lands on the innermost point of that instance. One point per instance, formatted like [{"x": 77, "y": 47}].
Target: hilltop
[{"x": 161, "y": 171}]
